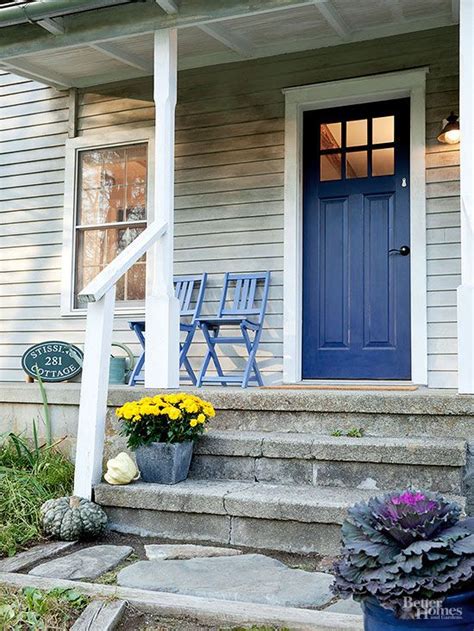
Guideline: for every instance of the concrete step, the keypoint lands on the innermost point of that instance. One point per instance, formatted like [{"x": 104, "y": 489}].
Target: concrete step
[
  {"x": 297, "y": 518},
  {"x": 374, "y": 463},
  {"x": 421, "y": 412}
]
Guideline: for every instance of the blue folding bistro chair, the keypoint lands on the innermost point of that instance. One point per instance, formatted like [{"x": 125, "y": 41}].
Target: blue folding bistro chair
[
  {"x": 243, "y": 304},
  {"x": 189, "y": 290}
]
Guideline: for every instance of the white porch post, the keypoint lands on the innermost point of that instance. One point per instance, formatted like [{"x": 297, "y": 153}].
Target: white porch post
[
  {"x": 94, "y": 389},
  {"x": 466, "y": 289},
  {"x": 162, "y": 308}
]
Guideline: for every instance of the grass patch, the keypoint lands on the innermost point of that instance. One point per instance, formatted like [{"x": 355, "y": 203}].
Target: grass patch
[
  {"x": 35, "y": 610},
  {"x": 29, "y": 475},
  {"x": 110, "y": 578},
  {"x": 353, "y": 432}
]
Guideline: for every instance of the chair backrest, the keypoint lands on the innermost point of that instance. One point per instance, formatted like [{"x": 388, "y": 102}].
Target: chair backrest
[
  {"x": 245, "y": 294},
  {"x": 189, "y": 290}
]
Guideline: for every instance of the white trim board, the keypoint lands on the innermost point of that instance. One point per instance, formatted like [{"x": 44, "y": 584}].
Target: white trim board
[
  {"x": 73, "y": 146},
  {"x": 368, "y": 89}
]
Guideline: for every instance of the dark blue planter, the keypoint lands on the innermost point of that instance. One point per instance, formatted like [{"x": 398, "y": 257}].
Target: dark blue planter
[{"x": 376, "y": 618}]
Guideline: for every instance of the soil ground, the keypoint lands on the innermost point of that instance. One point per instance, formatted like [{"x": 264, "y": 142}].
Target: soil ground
[{"x": 135, "y": 620}]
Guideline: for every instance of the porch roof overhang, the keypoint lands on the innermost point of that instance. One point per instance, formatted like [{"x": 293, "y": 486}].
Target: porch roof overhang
[{"x": 115, "y": 43}]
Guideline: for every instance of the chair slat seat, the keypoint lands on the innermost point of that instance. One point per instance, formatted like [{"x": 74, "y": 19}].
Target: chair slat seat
[
  {"x": 240, "y": 300},
  {"x": 189, "y": 290},
  {"x": 215, "y": 322}
]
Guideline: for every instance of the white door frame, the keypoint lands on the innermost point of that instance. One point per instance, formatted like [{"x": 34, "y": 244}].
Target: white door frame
[{"x": 368, "y": 89}]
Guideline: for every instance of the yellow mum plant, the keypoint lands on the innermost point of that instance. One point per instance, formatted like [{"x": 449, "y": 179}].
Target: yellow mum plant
[{"x": 164, "y": 418}]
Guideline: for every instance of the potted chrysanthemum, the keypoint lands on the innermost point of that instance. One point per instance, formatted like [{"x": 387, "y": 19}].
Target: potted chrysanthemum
[
  {"x": 409, "y": 558},
  {"x": 161, "y": 431}
]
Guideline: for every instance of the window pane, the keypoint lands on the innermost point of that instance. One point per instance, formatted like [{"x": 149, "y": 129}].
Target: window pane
[
  {"x": 112, "y": 185},
  {"x": 136, "y": 165},
  {"x": 356, "y": 164},
  {"x": 356, "y": 133},
  {"x": 136, "y": 203},
  {"x": 136, "y": 282},
  {"x": 331, "y": 135},
  {"x": 96, "y": 248},
  {"x": 383, "y": 161},
  {"x": 330, "y": 167},
  {"x": 383, "y": 129}
]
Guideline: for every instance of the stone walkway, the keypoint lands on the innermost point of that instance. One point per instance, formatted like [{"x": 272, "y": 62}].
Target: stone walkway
[
  {"x": 249, "y": 578},
  {"x": 206, "y": 572}
]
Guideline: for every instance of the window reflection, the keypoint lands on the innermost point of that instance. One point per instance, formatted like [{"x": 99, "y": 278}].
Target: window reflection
[
  {"x": 383, "y": 129},
  {"x": 356, "y": 164},
  {"x": 356, "y": 133},
  {"x": 331, "y": 136},
  {"x": 330, "y": 167},
  {"x": 383, "y": 161}
]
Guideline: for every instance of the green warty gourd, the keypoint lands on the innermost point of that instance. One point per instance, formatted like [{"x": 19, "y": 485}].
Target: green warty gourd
[{"x": 72, "y": 518}]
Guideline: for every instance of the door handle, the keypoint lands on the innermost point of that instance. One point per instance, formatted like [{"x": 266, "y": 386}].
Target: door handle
[{"x": 404, "y": 250}]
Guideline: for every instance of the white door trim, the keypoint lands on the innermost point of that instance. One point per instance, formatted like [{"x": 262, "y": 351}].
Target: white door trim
[{"x": 368, "y": 89}]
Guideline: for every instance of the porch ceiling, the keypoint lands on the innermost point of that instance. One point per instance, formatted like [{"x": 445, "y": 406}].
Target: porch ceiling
[{"x": 117, "y": 44}]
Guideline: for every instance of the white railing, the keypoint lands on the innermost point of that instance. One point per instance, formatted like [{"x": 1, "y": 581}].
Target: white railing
[{"x": 100, "y": 296}]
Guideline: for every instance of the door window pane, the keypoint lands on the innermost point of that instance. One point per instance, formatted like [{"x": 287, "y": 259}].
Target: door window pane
[
  {"x": 383, "y": 129},
  {"x": 331, "y": 135},
  {"x": 111, "y": 190},
  {"x": 356, "y": 133},
  {"x": 383, "y": 161},
  {"x": 330, "y": 167},
  {"x": 356, "y": 164}
]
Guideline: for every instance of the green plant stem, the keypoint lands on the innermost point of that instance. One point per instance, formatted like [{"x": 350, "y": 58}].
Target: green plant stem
[{"x": 47, "y": 414}]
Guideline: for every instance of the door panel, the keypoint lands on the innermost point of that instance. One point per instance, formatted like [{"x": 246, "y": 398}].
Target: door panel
[
  {"x": 378, "y": 277},
  {"x": 356, "y": 291},
  {"x": 333, "y": 274}
]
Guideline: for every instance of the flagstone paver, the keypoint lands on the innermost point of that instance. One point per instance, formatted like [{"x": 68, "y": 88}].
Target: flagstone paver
[
  {"x": 186, "y": 551},
  {"x": 345, "y": 606},
  {"x": 88, "y": 563},
  {"x": 23, "y": 559},
  {"x": 249, "y": 578}
]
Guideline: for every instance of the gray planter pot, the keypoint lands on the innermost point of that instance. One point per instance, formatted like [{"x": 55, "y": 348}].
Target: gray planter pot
[{"x": 164, "y": 463}]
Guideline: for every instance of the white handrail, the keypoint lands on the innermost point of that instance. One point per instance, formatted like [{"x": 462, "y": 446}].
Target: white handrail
[
  {"x": 109, "y": 276},
  {"x": 100, "y": 295}
]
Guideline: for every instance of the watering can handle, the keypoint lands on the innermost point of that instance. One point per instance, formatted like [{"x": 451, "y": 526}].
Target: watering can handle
[{"x": 131, "y": 356}]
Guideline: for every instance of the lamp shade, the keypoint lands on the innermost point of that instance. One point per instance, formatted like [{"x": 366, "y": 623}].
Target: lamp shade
[{"x": 450, "y": 134}]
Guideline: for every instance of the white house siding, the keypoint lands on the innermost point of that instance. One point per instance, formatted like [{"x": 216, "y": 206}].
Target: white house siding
[{"x": 229, "y": 185}]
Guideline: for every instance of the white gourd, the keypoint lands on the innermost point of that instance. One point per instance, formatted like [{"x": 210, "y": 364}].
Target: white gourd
[{"x": 121, "y": 470}]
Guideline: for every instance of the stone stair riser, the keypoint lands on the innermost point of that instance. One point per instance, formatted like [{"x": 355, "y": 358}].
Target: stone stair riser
[
  {"x": 365, "y": 475},
  {"x": 246, "y": 532},
  {"x": 376, "y": 424}
]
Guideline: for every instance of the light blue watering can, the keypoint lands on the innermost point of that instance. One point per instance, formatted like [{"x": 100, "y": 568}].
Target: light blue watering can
[{"x": 120, "y": 367}]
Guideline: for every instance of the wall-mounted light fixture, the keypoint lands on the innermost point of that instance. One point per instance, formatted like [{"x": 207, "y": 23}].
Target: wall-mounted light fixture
[{"x": 450, "y": 134}]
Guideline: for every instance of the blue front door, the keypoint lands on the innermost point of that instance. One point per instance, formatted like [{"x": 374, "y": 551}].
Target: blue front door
[{"x": 356, "y": 242}]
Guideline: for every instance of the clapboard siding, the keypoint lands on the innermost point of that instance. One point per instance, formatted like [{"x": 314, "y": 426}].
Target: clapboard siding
[{"x": 229, "y": 186}]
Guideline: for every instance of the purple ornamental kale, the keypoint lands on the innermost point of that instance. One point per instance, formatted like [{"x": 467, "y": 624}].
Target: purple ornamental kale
[{"x": 408, "y": 543}]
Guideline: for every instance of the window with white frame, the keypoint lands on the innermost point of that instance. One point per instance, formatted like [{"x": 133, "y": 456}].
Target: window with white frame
[{"x": 110, "y": 212}]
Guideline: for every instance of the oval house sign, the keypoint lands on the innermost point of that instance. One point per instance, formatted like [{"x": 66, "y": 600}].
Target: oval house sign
[{"x": 54, "y": 361}]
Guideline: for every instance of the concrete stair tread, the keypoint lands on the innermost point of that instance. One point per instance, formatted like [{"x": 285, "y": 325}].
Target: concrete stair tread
[
  {"x": 404, "y": 450},
  {"x": 234, "y": 498},
  {"x": 423, "y": 401}
]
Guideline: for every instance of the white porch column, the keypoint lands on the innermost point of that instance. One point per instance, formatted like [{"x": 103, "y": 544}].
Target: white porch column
[
  {"x": 162, "y": 308},
  {"x": 466, "y": 289}
]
